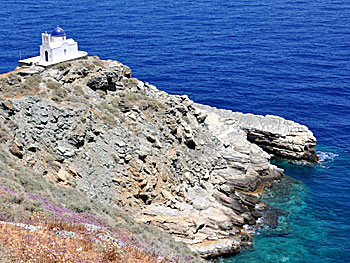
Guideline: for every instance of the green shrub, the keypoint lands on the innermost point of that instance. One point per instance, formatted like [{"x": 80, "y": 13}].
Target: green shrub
[
  {"x": 10, "y": 86},
  {"x": 43, "y": 94},
  {"x": 76, "y": 100},
  {"x": 60, "y": 92},
  {"x": 78, "y": 207},
  {"x": 30, "y": 85},
  {"x": 50, "y": 84},
  {"x": 115, "y": 102},
  {"x": 78, "y": 91},
  {"x": 33, "y": 80},
  {"x": 97, "y": 62},
  {"x": 186, "y": 119},
  {"x": 109, "y": 119},
  {"x": 110, "y": 111},
  {"x": 16, "y": 199},
  {"x": 131, "y": 96},
  {"x": 15, "y": 207},
  {"x": 34, "y": 206},
  {"x": 56, "y": 99},
  {"x": 133, "y": 82},
  {"x": 101, "y": 93},
  {"x": 62, "y": 66},
  {"x": 8, "y": 90},
  {"x": 88, "y": 65}
]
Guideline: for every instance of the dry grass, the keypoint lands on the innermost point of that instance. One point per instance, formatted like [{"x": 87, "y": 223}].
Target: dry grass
[
  {"x": 26, "y": 197},
  {"x": 141, "y": 100},
  {"x": 14, "y": 86},
  {"x": 78, "y": 91},
  {"x": 58, "y": 234},
  {"x": 110, "y": 107},
  {"x": 78, "y": 245},
  {"x": 98, "y": 62},
  {"x": 44, "y": 246}
]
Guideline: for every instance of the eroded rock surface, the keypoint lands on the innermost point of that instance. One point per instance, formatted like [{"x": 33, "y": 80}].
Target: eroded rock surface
[
  {"x": 195, "y": 171},
  {"x": 275, "y": 135}
]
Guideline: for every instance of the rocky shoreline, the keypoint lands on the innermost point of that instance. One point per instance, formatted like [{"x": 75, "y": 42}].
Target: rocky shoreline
[{"x": 195, "y": 171}]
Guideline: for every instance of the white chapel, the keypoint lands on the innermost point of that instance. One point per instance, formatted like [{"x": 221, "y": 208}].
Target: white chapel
[{"x": 55, "y": 48}]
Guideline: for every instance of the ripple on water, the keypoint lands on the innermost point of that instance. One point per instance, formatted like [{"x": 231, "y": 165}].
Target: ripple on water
[{"x": 282, "y": 57}]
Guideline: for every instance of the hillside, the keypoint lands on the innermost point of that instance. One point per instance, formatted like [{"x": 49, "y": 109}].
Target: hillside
[{"x": 107, "y": 150}]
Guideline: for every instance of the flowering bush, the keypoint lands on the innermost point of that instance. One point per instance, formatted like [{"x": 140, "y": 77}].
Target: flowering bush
[
  {"x": 41, "y": 222},
  {"x": 59, "y": 234}
]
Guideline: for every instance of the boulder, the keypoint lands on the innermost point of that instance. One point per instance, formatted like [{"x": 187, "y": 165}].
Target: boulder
[
  {"x": 16, "y": 150},
  {"x": 221, "y": 247}
]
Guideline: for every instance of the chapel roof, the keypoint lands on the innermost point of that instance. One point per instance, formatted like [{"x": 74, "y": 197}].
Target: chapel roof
[{"x": 58, "y": 32}]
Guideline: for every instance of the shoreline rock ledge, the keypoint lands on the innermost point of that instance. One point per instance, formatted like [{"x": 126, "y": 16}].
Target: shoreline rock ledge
[
  {"x": 283, "y": 139},
  {"x": 192, "y": 170}
]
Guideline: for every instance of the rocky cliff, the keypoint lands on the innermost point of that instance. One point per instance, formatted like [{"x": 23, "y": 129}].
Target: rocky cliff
[{"x": 194, "y": 171}]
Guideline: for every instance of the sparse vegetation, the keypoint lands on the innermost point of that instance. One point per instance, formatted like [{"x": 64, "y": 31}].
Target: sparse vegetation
[
  {"x": 60, "y": 218},
  {"x": 132, "y": 82},
  {"x": 97, "y": 62},
  {"x": 63, "y": 66},
  {"x": 50, "y": 84},
  {"x": 76, "y": 99},
  {"x": 110, "y": 111},
  {"x": 88, "y": 65},
  {"x": 101, "y": 93},
  {"x": 109, "y": 119},
  {"x": 141, "y": 100},
  {"x": 110, "y": 108},
  {"x": 186, "y": 119},
  {"x": 47, "y": 209},
  {"x": 56, "y": 99},
  {"x": 31, "y": 84},
  {"x": 13, "y": 85},
  {"x": 78, "y": 91}
]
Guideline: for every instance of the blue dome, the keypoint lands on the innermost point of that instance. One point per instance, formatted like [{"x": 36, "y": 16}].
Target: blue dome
[{"x": 58, "y": 32}]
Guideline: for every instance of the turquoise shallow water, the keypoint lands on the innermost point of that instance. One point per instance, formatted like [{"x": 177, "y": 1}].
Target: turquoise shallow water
[
  {"x": 284, "y": 57},
  {"x": 315, "y": 228}
]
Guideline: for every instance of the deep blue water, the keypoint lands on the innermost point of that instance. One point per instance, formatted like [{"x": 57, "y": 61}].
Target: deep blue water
[{"x": 284, "y": 57}]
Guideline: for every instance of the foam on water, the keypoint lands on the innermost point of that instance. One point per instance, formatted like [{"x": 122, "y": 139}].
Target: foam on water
[
  {"x": 301, "y": 236},
  {"x": 326, "y": 159},
  {"x": 316, "y": 226}
]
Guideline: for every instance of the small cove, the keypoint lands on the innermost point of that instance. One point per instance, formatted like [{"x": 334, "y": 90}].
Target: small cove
[{"x": 306, "y": 233}]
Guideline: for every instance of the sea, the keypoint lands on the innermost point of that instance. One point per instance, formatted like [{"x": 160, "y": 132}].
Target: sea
[{"x": 283, "y": 57}]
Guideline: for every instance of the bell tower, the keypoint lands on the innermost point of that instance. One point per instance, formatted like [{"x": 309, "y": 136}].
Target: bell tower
[{"x": 45, "y": 50}]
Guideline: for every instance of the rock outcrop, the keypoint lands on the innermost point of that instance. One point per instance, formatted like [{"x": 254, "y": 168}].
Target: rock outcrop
[
  {"x": 279, "y": 137},
  {"x": 195, "y": 171}
]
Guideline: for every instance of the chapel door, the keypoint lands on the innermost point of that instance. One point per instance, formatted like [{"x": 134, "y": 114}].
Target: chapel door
[{"x": 46, "y": 56}]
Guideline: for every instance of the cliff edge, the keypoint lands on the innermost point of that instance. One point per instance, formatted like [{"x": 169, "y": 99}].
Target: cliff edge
[{"x": 195, "y": 171}]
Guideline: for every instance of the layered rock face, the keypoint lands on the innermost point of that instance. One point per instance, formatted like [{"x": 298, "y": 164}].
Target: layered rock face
[
  {"x": 279, "y": 137},
  {"x": 194, "y": 171}
]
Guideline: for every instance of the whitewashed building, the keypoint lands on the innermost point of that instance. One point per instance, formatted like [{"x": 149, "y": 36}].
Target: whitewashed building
[{"x": 55, "y": 48}]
